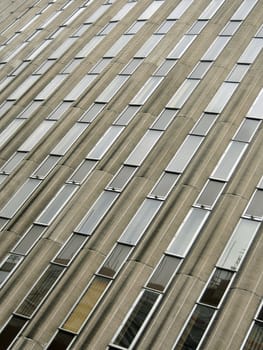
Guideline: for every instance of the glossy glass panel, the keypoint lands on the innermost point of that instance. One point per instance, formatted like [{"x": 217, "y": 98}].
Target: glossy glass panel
[
  {"x": 50, "y": 88},
  {"x": 200, "y": 70},
  {"x": 164, "y": 185},
  {"x": 13, "y": 162},
  {"x": 118, "y": 46},
  {"x": 61, "y": 341},
  {"x": 136, "y": 319},
  {"x": 165, "y": 27},
  {"x": 28, "y": 240},
  {"x": 92, "y": 112},
  {"x": 40, "y": 290},
  {"x": 80, "y": 87},
  {"x": 70, "y": 249},
  {"x": 59, "y": 52},
  {"x": 255, "y": 207},
  {"x": 165, "y": 68},
  {"x": 183, "y": 93},
  {"x": 216, "y": 287},
  {"x": 182, "y": 46},
  {"x": 10, "y": 130},
  {"x": 30, "y": 110},
  {"x": 184, "y": 154},
  {"x": 11, "y": 330},
  {"x": 204, "y": 124},
  {"x": 82, "y": 172},
  {"x": 46, "y": 166},
  {"x": 255, "y": 338},
  {"x": 238, "y": 73},
  {"x": 165, "y": 119},
  {"x": 210, "y": 193},
  {"x": 8, "y": 265},
  {"x": 86, "y": 304},
  {"x": 59, "y": 111},
  {"x": 188, "y": 232},
  {"x": 36, "y": 136},
  {"x": 250, "y": 54},
  {"x": 23, "y": 87},
  {"x": 150, "y": 10},
  {"x": 211, "y": 9},
  {"x": 140, "y": 221},
  {"x": 195, "y": 328},
  {"x": 197, "y": 27},
  {"x": 231, "y": 28},
  {"x": 256, "y": 110},
  {"x": 163, "y": 273},
  {"x": 216, "y": 48},
  {"x": 89, "y": 47},
  {"x": 148, "y": 46},
  {"x": 132, "y": 66},
  {"x": 122, "y": 177},
  {"x": 247, "y": 130},
  {"x": 180, "y": 9},
  {"x": 123, "y": 11},
  {"x": 72, "y": 65},
  {"x": 101, "y": 65},
  {"x": 112, "y": 89},
  {"x": 244, "y": 9},
  {"x": 97, "y": 212},
  {"x": 135, "y": 27},
  {"x": 115, "y": 260},
  {"x": 238, "y": 244},
  {"x": 127, "y": 115},
  {"x": 147, "y": 90}
]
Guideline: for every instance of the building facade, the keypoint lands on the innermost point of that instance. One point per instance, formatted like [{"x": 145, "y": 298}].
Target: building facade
[{"x": 131, "y": 174}]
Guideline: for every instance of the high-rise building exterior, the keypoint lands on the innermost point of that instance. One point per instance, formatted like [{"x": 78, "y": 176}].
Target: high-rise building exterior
[{"x": 131, "y": 174}]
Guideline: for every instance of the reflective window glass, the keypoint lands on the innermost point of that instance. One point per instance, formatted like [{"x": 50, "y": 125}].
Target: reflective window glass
[
  {"x": 148, "y": 46},
  {"x": 28, "y": 240},
  {"x": 200, "y": 70},
  {"x": 252, "y": 51},
  {"x": 81, "y": 173},
  {"x": 255, "y": 207},
  {"x": 221, "y": 98},
  {"x": 197, "y": 27},
  {"x": 163, "y": 273},
  {"x": 238, "y": 73},
  {"x": 147, "y": 90},
  {"x": 112, "y": 89},
  {"x": 238, "y": 244},
  {"x": 100, "y": 66},
  {"x": 58, "y": 112},
  {"x": 216, "y": 287},
  {"x": 23, "y": 87},
  {"x": 122, "y": 177},
  {"x": 180, "y": 9},
  {"x": 211, "y": 9},
  {"x": 183, "y": 93},
  {"x": 123, "y": 11},
  {"x": 165, "y": 68},
  {"x": 47, "y": 91},
  {"x": 150, "y": 10},
  {"x": 231, "y": 28},
  {"x": 247, "y": 130},
  {"x": 46, "y": 166},
  {"x": 11, "y": 330},
  {"x": 188, "y": 231},
  {"x": 165, "y": 119},
  {"x": 13, "y": 162},
  {"x": 29, "y": 110},
  {"x": 132, "y": 66},
  {"x": 216, "y": 48},
  {"x": 182, "y": 46},
  {"x": 127, "y": 115},
  {"x": 92, "y": 112},
  {"x": 8, "y": 265},
  {"x": 115, "y": 260},
  {"x": 229, "y": 161},
  {"x": 72, "y": 65},
  {"x": 59, "y": 52},
  {"x": 244, "y": 9},
  {"x": 118, "y": 45},
  {"x": 80, "y": 87},
  {"x": 140, "y": 221},
  {"x": 184, "y": 154},
  {"x": 136, "y": 319},
  {"x": 204, "y": 124},
  {"x": 142, "y": 149},
  {"x": 164, "y": 185},
  {"x": 210, "y": 194},
  {"x": 165, "y": 27},
  {"x": 135, "y": 27},
  {"x": 86, "y": 304},
  {"x": 108, "y": 28},
  {"x": 255, "y": 338},
  {"x": 256, "y": 110},
  {"x": 70, "y": 249},
  {"x": 87, "y": 49},
  {"x": 10, "y": 130},
  {"x": 61, "y": 340},
  {"x": 39, "y": 291}
]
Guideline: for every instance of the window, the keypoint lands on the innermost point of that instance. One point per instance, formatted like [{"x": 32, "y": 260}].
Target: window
[
  {"x": 115, "y": 260},
  {"x": 197, "y": 27},
  {"x": 23, "y": 87},
  {"x": 60, "y": 51},
  {"x": 252, "y": 51},
  {"x": 123, "y": 11},
  {"x": 200, "y": 70},
  {"x": 216, "y": 287},
  {"x": 44, "y": 67},
  {"x": 141, "y": 311},
  {"x": 255, "y": 338},
  {"x": 89, "y": 47},
  {"x": 11, "y": 330},
  {"x": 135, "y": 27},
  {"x": 105, "y": 142},
  {"x": 19, "y": 198},
  {"x": 61, "y": 340},
  {"x": 150, "y": 10},
  {"x": 13, "y": 162},
  {"x": 108, "y": 28},
  {"x": 39, "y": 49},
  {"x": 86, "y": 304},
  {"x": 127, "y": 115},
  {"x": 56, "y": 204},
  {"x": 247, "y": 130},
  {"x": 142, "y": 149},
  {"x": 165, "y": 119},
  {"x": 122, "y": 177},
  {"x": 163, "y": 273},
  {"x": 39, "y": 291},
  {"x": 229, "y": 161},
  {"x": 183, "y": 93},
  {"x": 244, "y": 9},
  {"x": 30, "y": 110},
  {"x": 28, "y": 240},
  {"x": 231, "y": 28},
  {"x": 69, "y": 139},
  {"x": 112, "y": 89},
  {"x": 165, "y": 67},
  {"x": 92, "y": 112},
  {"x": 255, "y": 208},
  {"x": 82, "y": 171},
  {"x": 210, "y": 193},
  {"x": 165, "y": 27},
  {"x": 182, "y": 46},
  {"x": 118, "y": 46},
  {"x": 140, "y": 221},
  {"x": 187, "y": 232},
  {"x": 70, "y": 249},
  {"x": 80, "y": 87},
  {"x": 148, "y": 46},
  {"x": 5, "y": 106},
  {"x": 216, "y": 48},
  {"x": 184, "y": 154},
  {"x": 132, "y": 66},
  {"x": 221, "y": 98},
  {"x": 100, "y": 66},
  {"x": 256, "y": 109},
  {"x": 211, "y": 9},
  {"x": 46, "y": 166},
  {"x": 147, "y": 90},
  {"x": 97, "y": 212},
  {"x": 49, "y": 89},
  {"x": 238, "y": 244},
  {"x": 164, "y": 185},
  {"x": 72, "y": 65},
  {"x": 238, "y": 73},
  {"x": 9, "y": 265},
  {"x": 204, "y": 124},
  {"x": 195, "y": 328},
  {"x": 180, "y": 9},
  {"x": 58, "y": 112}
]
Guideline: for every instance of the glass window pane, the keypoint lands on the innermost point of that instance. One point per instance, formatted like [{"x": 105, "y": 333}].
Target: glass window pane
[
  {"x": 256, "y": 110},
  {"x": 46, "y": 166},
  {"x": 247, "y": 130},
  {"x": 143, "y": 148},
  {"x": 229, "y": 161},
  {"x": 197, "y": 27},
  {"x": 150, "y": 10},
  {"x": 39, "y": 291},
  {"x": 81, "y": 173},
  {"x": 210, "y": 194},
  {"x": 244, "y": 9},
  {"x": 165, "y": 68},
  {"x": 182, "y": 46},
  {"x": 127, "y": 115},
  {"x": 252, "y": 51},
  {"x": 163, "y": 273},
  {"x": 49, "y": 89},
  {"x": 118, "y": 45},
  {"x": 56, "y": 54},
  {"x": 135, "y": 27},
  {"x": 165, "y": 119},
  {"x": 112, "y": 89},
  {"x": 165, "y": 27},
  {"x": 147, "y": 90},
  {"x": 105, "y": 142},
  {"x": 255, "y": 338},
  {"x": 200, "y": 70},
  {"x": 132, "y": 66},
  {"x": 216, "y": 48},
  {"x": 216, "y": 287},
  {"x": 8, "y": 265},
  {"x": 29, "y": 110},
  {"x": 11, "y": 330},
  {"x": 195, "y": 329},
  {"x": 238, "y": 244},
  {"x": 92, "y": 112},
  {"x": 183, "y": 93},
  {"x": 101, "y": 65},
  {"x": 19, "y": 198},
  {"x": 260, "y": 314},
  {"x": 61, "y": 341},
  {"x": 10, "y": 130},
  {"x": 164, "y": 185},
  {"x": 204, "y": 124},
  {"x": 13, "y": 162},
  {"x": 97, "y": 212},
  {"x": 59, "y": 111},
  {"x": 123, "y": 11},
  {"x": 211, "y": 9},
  {"x": 115, "y": 260},
  {"x": 23, "y": 87},
  {"x": 80, "y": 87},
  {"x": 180, "y": 9},
  {"x": 136, "y": 319},
  {"x": 238, "y": 73},
  {"x": 148, "y": 46},
  {"x": 184, "y": 154},
  {"x": 70, "y": 249},
  {"x": 255, "y": 207},
  {"x": 188, "y": 231},
  {"x": 122, "y": 177},
  {"x": 222, "y": 96},
  {"x": 231, "y": 28},
  {"x": 140, "y": 221},
  {"x": 86, "y": 304},
  {"x": 72, "y": 65},
  {"x": 28, "y": 240}
]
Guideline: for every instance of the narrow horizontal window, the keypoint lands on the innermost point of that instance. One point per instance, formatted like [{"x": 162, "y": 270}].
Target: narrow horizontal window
[
  {"x": 164, "y": 185},
  {"x": 255, "y": 338},
  {"x": 80, "y": 88},
  {"x": 163, "y": 273},
  {"x": 150, "y": 10},
  {"x": 211, "y": 9},
  {"x": 11, "y": 330},
  {"x": 132, "y": 66},
  {"x": 10, "y": 130},
  {"x": 115, "y": 260},
  {"x": 200, "y": 70},
  {"x": 89, "y": 47},
  {"x": 210, "y": 193},
  {"x": 182, "y": 46},
  {"x": 244, "y": 9},
  {"x": 180, "y": 9},
  {"x": 216, "y": 48},
  {"x": 61, "y": 340},
  {"x": 184, "y": 154},
  {"x": 147, "y": 90},
  {"x": 100, "y": 66},
  {"x": 123, "y": 11},
  {"x": 165, "y": 27},
  {"x": 143, "y": 148},
  {"x": 24, "y": 87},
  {"x": 256, "y": 110},
  {"x": 49, "y": 89},
  {"x": 82, "y": 171},
  {"x": 231, "y": 28},
  {"x": 188, "y": 232},
  {"x": 44, "y": 67},
  {"x": 229, "y": 161},
  {"x": 221, "y": 98},
  {"x": 252, "y": 51},
  {"x": 255, "y": 207},
  {"x": 122, "y": 177},
  {"x": 165, "y": 119},
  {"x": 46, "y": 166},
  {"x": 70, "y": 249},
  {"x": 127, "y": 115},
  {"x": 28, "y": 240},
  {"x": 148, "y": 46},
  {"x": 92, "y": 112},
  {"x": 9, "y": 265},
  {"x": 30, "y": 110},
  {"x": 183, "y": 93},
  {"x": 118, "y": 46},
  {"x": 72, "y": 65},
  {"x": 140, "y": 221},
  {"x": 204, "y": 124},
  {"x": 59, "y": 52},
  {"x": 86, "y": 304},
  {"x": 13, "y": 162},
  {"x": 238, "y": 73},
  {"x": 197, "y": 27},
  {"x": 58, "y": 112},
  {"x": 238, "y": 244},
  {"x": 247, "y": 130},
  {"x": 135, "y": 27},
  {"x": 165, "y": 68},
  {"x": 112, "y": 89}
]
